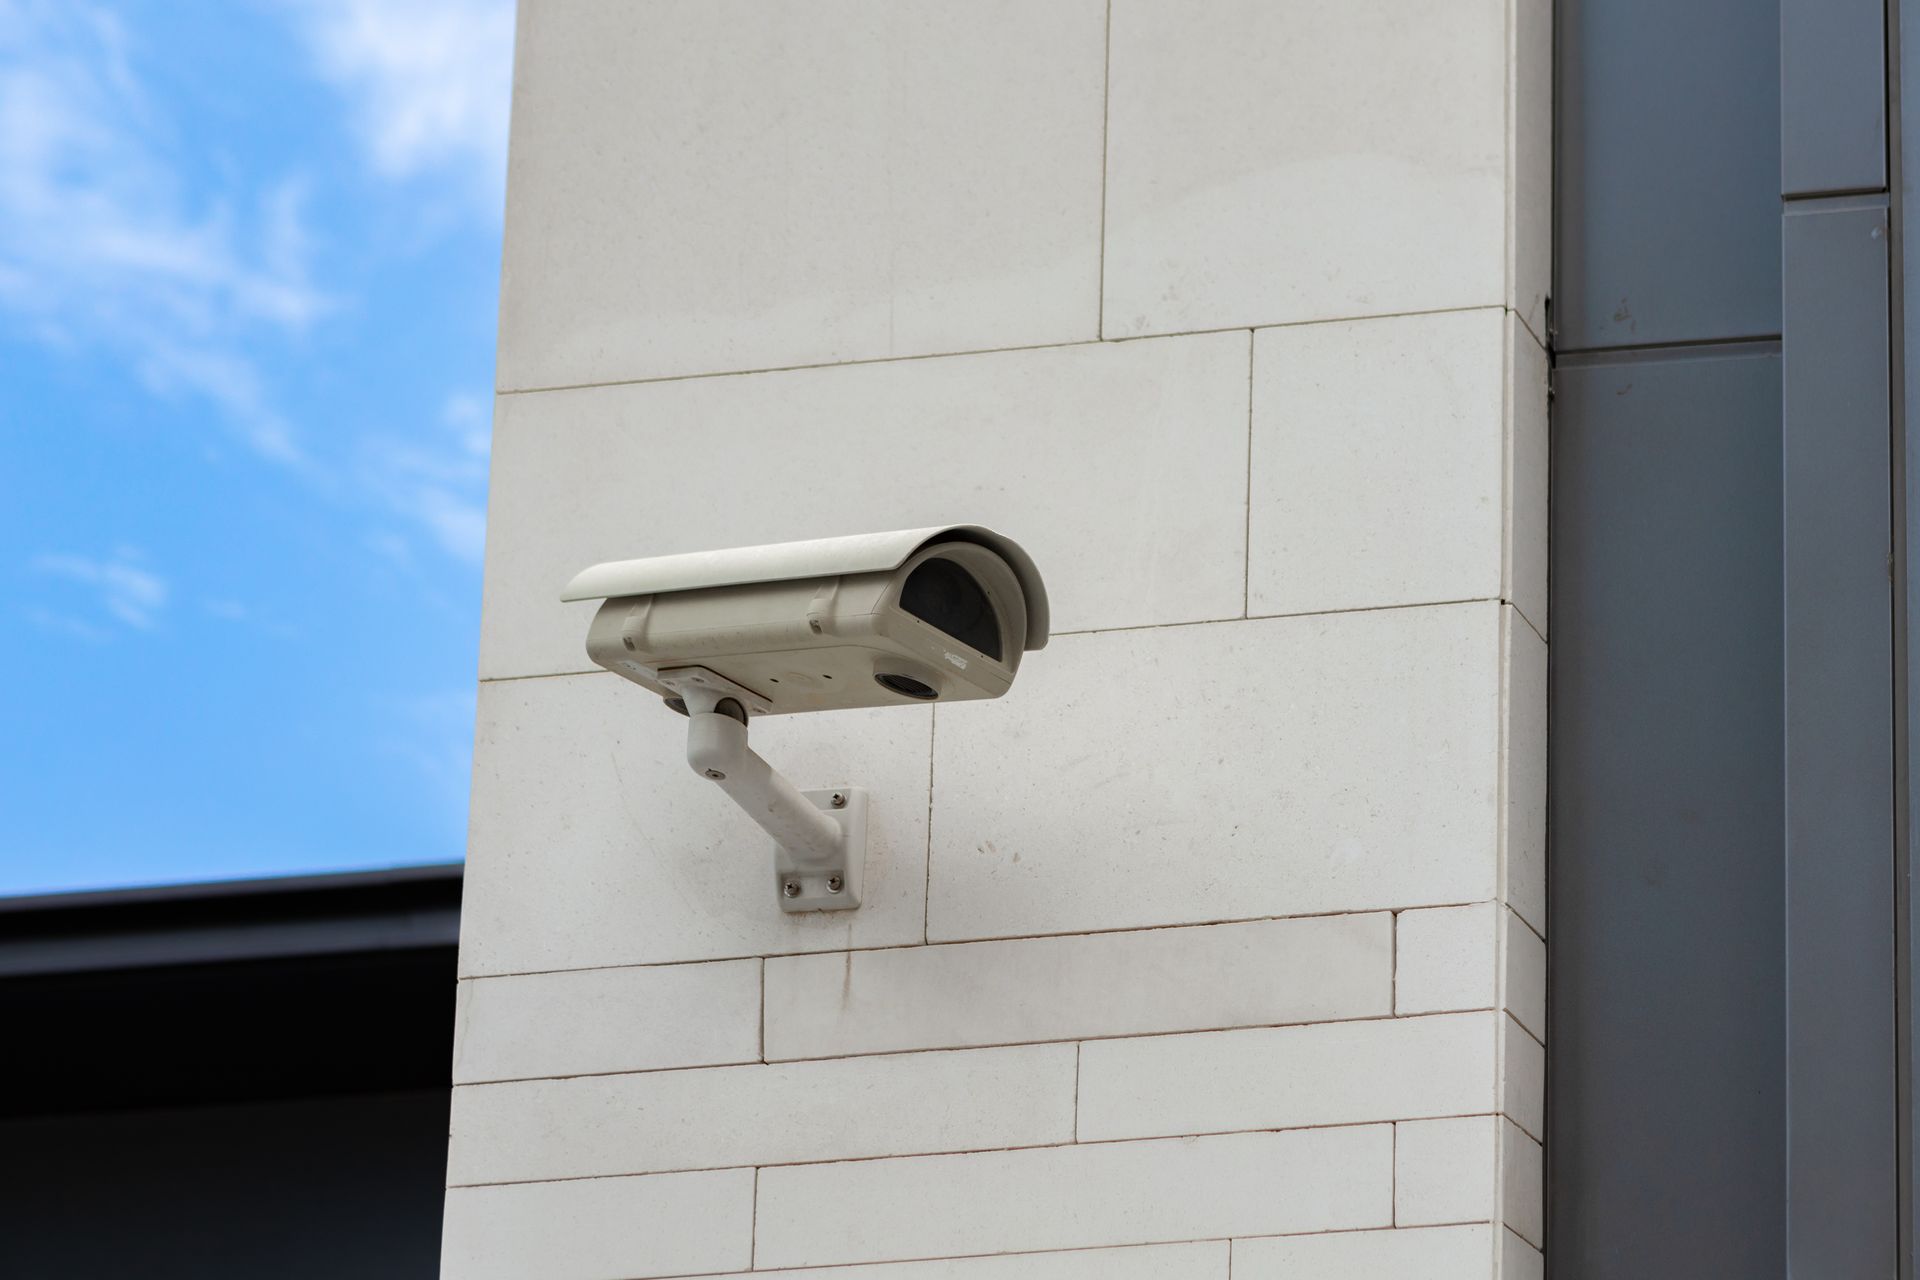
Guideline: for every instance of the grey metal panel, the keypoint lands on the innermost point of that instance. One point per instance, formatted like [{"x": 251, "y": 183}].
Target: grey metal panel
[
  {"x": 1842, "y": 1165},
  {"x": 1833, "y": 96},
  {"x": 1667, "y": 171},
  {"x": 1666, "y": 1047},
  {"x": 1907, "y": 590}
]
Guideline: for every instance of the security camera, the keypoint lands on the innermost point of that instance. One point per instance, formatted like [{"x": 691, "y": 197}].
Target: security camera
[{"x": 881, "y": 619}]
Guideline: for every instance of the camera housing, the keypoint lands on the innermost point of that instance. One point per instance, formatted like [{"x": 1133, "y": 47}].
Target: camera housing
[
  {"x": 888, "y": 619},
  {"x": 879, "y": 619}
]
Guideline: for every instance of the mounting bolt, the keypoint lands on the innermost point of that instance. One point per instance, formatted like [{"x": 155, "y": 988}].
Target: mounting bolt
[
  {"x": 839, "y": 799},
  {"x": 791, "y": 888},
  {"x": 834, "y": 884},
  {"x": 715, "y": 774}
]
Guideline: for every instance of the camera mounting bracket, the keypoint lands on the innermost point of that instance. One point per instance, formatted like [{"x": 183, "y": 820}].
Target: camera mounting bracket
[{"x": 819, "y": 837}]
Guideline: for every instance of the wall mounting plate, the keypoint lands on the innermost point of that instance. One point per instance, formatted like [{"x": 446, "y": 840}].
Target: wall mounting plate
[
  {"x": 813, "y": 882},
  {"x": 690, "y": 681}
]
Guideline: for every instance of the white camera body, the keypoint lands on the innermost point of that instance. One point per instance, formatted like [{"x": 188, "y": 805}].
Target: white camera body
[
  {"x": 882, "y": 619},
  {"x": 878, "y": 619}
]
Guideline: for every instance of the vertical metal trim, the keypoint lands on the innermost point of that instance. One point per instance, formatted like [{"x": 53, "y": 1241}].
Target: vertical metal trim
[
  {"x": 1833, "y": 108},
  {"x": 1666, "y": 972},
  {"x": 1904, "y": 16},
  {"x": 1667, "y": 145},
  {"x": 1842, "y": 1054},
  {"x": 1556, "y": 193}
]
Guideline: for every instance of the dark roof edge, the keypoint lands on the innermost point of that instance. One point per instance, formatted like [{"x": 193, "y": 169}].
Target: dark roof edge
[
  {"x": 406, "y": 908},
  {"x": 264, "y": 886}
]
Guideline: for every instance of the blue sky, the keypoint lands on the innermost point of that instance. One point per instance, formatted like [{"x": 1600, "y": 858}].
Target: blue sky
[{"x": 249, "y": 253}]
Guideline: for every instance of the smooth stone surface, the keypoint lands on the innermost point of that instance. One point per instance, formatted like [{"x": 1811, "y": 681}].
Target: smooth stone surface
[
  {"x": 1288, "y": 1077},
  {"x": 1122, "y": 468},
  {"x": 839, "y": 1109},
  {"x": 1107, "y": 984},
  {"x": 706, "y": 185},
  {"x": 1428, "y": 1253},
  {"x": 1189, "y": 774},
  {"x": 1379, "y": 463},
  {"x": 1271, "y": 161},
  {"x": 603, "y": 1020},
  {"x": 668, "y": 1225},
  {"x": 591, "y": 843},
  {"x": 1066, "y": 1197}
]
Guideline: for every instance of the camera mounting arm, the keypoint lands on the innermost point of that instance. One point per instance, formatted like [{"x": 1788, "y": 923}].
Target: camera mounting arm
[{"x": 820, "y": 837}]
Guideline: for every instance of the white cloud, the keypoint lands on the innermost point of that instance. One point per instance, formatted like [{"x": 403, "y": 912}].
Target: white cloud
[
  {"x": 429, "y": 82},
  {"x": 121, "y": 584},
  {"x": 103, "y": 244}
]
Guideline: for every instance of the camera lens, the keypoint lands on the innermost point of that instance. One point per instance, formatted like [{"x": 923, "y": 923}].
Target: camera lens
[
  {"x": 942, "y": 594},
  {"x": 907, "y": 686}
]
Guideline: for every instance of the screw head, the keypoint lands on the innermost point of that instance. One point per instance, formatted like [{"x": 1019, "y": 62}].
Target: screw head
[
  {"x": 833, "y": 884},
  {"x": 791, "y": 888},
  {"x": 715, "y": 774},
  {"x": 839, "y": 799}
]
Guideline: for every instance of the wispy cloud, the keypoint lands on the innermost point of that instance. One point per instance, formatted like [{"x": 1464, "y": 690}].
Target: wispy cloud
[
  {"x": 102, "y": 244},
  {"x": 121, "y": 585},
  {"x": 433, "y": 733},
  {"x": 65, "y": 624},
  {"x": 439, "y": 481},
  {"x": 429, "y": 82},
  {"x": 108, "y": 244},
  {"x": 228, "y": 380}
]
